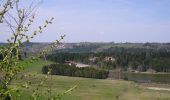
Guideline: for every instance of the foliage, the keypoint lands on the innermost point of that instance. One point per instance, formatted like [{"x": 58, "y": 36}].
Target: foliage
[
  {"x": 19, "y": 20},
  {"x": 67, "y": 70},
  {"x": 62, "y": 57},
  {"x": 141, "y": 59}
]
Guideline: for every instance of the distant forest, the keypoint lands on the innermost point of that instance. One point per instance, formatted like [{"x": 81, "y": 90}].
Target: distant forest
[{"x": 148, "y": 57}]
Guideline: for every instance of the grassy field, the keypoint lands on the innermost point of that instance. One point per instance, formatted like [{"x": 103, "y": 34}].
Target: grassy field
[{"x": 87, "y": 89}]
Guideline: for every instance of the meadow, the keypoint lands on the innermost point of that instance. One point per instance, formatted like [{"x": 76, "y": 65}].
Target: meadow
[{"x": 87, "y": 89}]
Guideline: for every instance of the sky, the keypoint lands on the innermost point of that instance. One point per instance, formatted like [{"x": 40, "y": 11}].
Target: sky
[{"x": 104, "y": 20}]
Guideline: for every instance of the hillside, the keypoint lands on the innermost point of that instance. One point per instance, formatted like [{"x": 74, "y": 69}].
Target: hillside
[
  {"x": 103, "y": 47},
  {"x": 87, "y": 89}
]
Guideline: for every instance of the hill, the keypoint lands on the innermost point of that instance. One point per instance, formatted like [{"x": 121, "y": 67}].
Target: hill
[{"x": 86, "y": 47}]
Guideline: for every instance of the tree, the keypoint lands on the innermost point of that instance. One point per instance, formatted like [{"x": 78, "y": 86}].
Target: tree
[{"x": 18, "y": 19}]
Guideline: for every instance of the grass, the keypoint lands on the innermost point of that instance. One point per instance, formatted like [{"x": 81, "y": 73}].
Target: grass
[
  {"x": 35, "y": 66},
  {"x": 87, "y": 89}
]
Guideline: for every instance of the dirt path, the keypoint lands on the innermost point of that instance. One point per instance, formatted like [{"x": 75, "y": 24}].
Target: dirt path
[{"x": 157, "y": 88}]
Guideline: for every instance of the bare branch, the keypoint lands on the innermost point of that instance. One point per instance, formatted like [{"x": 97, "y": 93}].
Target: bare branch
[
  {"x": 10, "y": 25},
  {"x": 6, "y": 7},
  {"x": 12, "y": 17}
]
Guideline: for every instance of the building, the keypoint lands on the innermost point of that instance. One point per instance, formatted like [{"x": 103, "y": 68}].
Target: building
[
  {"x": 112, "y": 59},
  {"x": 93, "y": 59},
  {"x": 77, "y": 64}
]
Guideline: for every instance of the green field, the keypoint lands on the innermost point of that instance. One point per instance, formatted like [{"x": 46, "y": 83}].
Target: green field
[{"x": 87, "y": 89}]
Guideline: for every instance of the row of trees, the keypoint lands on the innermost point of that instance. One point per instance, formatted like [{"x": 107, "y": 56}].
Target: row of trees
[{"x": 67, "y": 70}]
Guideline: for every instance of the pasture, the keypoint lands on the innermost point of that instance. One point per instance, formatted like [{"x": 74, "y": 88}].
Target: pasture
[{"x": 87, "y": 89}]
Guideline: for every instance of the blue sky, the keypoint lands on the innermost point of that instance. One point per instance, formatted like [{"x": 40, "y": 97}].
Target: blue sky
[{"x": 106, "y": 20}]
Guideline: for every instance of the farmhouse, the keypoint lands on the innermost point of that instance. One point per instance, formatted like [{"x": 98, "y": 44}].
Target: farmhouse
[
  {"x": 93, "y": 59},
  {"x": 77, "y": 64},
  {"x": 112, "y": 59}
]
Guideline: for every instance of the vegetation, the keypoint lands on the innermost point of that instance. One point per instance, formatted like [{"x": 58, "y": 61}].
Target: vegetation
[
  {"x": 67, "y": 70},
  {"x": 18, "y": 19},
  {"x": 17, "y": 83},
  {"x": 89, "y": 47},
  {"x": 131, "y": 58},
  {"x": 93, "y": 89},
  {"x": 87, "y": 88}
]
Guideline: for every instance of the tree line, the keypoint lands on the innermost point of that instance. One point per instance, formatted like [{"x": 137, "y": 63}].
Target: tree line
[{"x": 67, "y": 70}]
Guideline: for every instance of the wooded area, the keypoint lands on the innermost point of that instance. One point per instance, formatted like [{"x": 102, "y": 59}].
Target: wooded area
[
  {"x": 67, "y": 70},
  {"x": 139, "y": 59}
]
